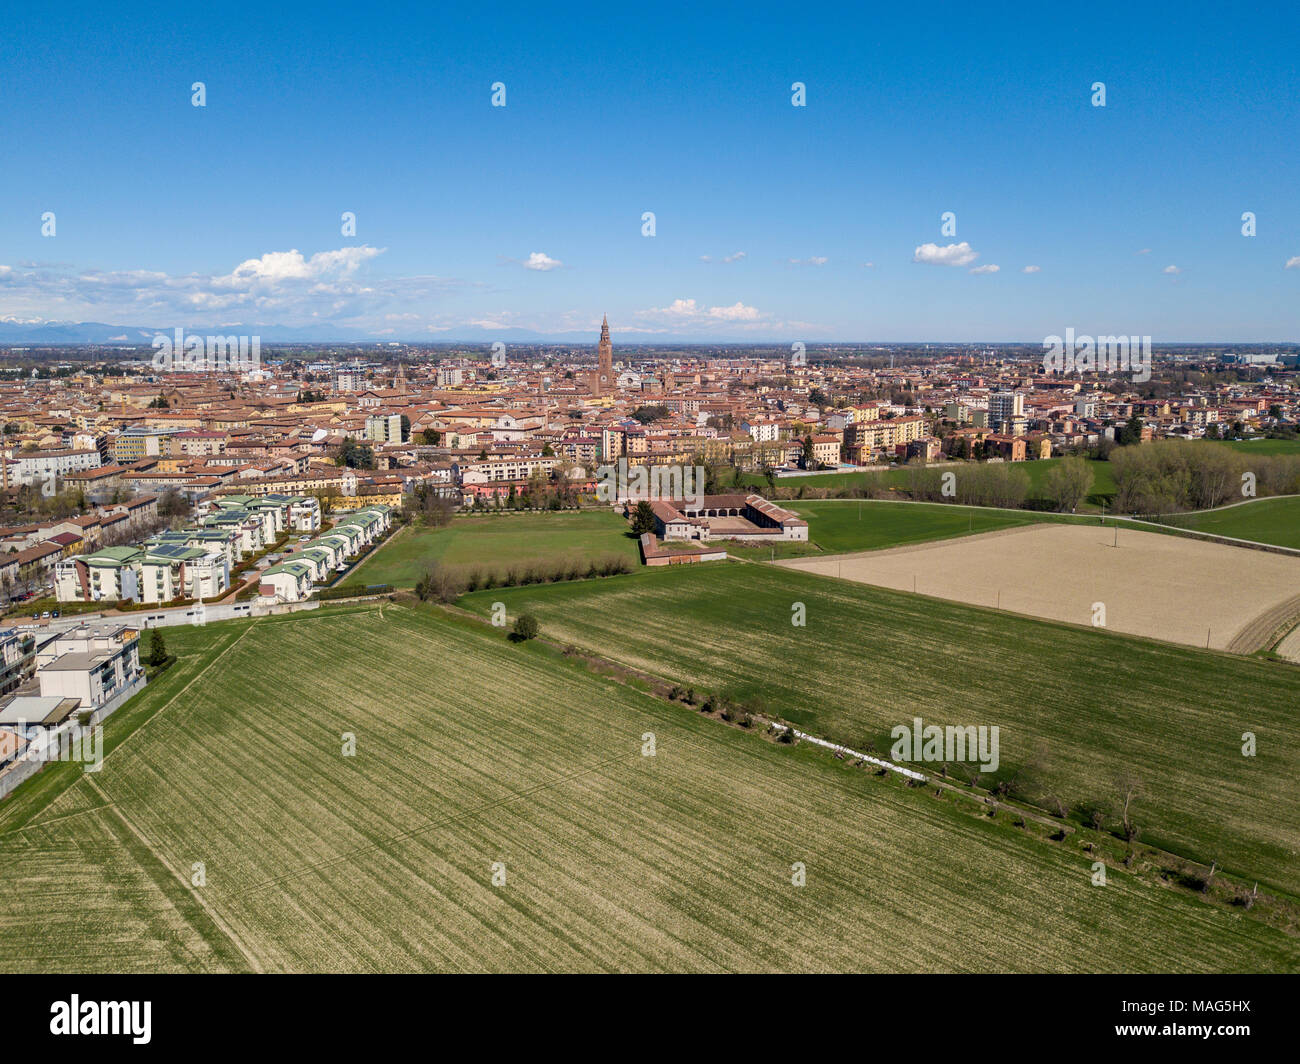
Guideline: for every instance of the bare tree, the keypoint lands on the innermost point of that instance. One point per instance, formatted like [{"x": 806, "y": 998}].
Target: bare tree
[
  {"x": 1067, "y": 484},
  {"x": 1128, "y": 786}
]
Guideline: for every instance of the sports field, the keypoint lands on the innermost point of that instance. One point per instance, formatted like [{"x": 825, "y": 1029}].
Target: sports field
[
  {"x": 1076, "y": 706},
  {"x": 1166, "y": 587},
  {"x": 1274, "y": 521},
  {"x": 472, "y": 753},
  {"x": 498, "y": 541}
]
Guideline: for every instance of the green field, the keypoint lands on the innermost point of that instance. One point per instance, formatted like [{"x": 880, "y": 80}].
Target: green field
[
  {"x": 472, "y": 751},
  {"x": 1103, "y": 481},
  {"x": 839, "y": 526},
  {"x": 1265, "y": 446},
  {"x": 498, "y": 541},
  {"x": 1275, "y": 521},
  {"x": 1085, "y": 703},
  {"x": 1103, "y": 487}
]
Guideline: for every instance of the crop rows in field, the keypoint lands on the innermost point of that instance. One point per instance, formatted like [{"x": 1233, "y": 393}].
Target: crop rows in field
[
  {"x": 471, "y": 751},
  {"x": 1079, "y": 705}
]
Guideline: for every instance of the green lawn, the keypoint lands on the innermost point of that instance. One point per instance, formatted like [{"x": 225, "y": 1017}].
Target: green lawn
[
  {"x": 1087, "y": 704},
  {"x": 475, "y": 757},
  {"x": 498, "y": 541},
  {"x": 1275, "y": 521}
]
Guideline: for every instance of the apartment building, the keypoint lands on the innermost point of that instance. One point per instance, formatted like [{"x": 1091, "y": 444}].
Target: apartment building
[
  {"x": 172, "y": 571},
  {"x": 37, "y": 467},
  {"x": 1004, "y": 408},
  {"x": 384, "y": 428},
  {"x": 141, "y": 441},
  {"x": 91, "y": 663}
]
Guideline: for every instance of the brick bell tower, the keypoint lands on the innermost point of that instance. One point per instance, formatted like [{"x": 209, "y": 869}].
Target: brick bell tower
[{"x": 605, "y": 361}]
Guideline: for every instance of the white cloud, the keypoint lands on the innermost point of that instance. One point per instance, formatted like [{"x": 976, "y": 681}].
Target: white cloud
[
  {"x": 987, "y": 268},
  {"x": 736, "y": 312},
  {"x": 815, "y": 260},
  {"x": 735, "y": 257},
  {"x": 688, "y": 311},
  {"x": 869, "y": 265},
  {"x": 276, "y": 266},
  {"x": 1144, "y": 251},
  {"x": 1172, "y": 269},
  {"x": 678, "y": 308},
  {"x": 1292, "y": 263},
  {"x": 278, "y": 286},
  {"x": 539, "y": 260},
  {"x": 951, "y": 255},
  {"x": 1031, "y": 269}
]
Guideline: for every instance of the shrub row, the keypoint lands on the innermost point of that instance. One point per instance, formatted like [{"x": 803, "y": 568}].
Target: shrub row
[
  {"x": 351, "y": 590},
  {"x": 477, "y": 579}
]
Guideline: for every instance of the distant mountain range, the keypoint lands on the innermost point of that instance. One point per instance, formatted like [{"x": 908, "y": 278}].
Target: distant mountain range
[{"x": 95, "y": 332}]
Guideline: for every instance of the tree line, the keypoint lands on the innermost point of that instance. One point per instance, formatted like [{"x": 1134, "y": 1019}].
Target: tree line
[{"x": 1169, "y": 476}]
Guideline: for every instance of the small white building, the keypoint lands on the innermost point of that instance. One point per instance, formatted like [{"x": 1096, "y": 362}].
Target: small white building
[
  {"x": 304, "y": 512},
  {"x": 290, "y": 581}
]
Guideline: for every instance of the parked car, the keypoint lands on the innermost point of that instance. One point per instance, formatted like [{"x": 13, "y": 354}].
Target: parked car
[{"x": 45, "y": 616}]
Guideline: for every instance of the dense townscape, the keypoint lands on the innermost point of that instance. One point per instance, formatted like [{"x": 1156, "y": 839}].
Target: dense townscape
[{"x": 94, "y": 446}]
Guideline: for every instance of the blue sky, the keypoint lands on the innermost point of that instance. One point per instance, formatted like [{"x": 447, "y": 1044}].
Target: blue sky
[{"x": 167, "y": 214}]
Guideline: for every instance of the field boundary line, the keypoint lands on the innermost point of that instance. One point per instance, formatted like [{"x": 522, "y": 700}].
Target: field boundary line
[
  {"x": 1214, "y": 537},
  {"x": 1140, "y": 524},
  {"x": 908, "y": 548},
  {"x": 55, "y": 820},
  {"x": 138, "y": 728},
  {"x": 1229, "y": 505},
  {"x": 193, "y": 680},
  {"x": 225, "y": 929}
]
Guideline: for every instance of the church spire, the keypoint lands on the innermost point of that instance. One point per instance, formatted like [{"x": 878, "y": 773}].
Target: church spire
[{"x": 605, "y": 359}]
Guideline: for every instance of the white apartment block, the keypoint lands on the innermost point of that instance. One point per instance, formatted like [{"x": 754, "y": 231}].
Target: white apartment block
[{"x": 31, "y": 467}]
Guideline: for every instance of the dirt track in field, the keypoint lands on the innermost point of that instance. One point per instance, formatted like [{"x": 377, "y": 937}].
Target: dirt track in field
[{"x": 1166, "y": 587}]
